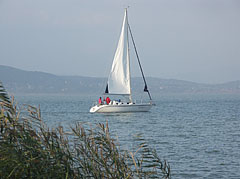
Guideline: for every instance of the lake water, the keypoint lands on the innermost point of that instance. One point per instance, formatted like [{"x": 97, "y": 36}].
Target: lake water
[{"x": 199, "y": 135}]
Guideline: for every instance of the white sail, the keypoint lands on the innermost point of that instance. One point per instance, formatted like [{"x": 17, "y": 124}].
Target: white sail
[{"x": 119, "y": 78}]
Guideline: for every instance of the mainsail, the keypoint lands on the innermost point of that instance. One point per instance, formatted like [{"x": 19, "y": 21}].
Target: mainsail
[{"x": 119, "y": 78}]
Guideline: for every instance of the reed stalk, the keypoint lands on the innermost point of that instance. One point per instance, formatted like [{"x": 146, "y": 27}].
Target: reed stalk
[{"x": 29, "y": 149}]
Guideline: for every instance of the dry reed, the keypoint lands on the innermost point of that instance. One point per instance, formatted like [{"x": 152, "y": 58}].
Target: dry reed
[{"x": 29, "y": 149}]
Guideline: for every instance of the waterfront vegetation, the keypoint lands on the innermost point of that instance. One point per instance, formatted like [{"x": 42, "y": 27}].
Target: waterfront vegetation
[{"x": 29, "y": 149}]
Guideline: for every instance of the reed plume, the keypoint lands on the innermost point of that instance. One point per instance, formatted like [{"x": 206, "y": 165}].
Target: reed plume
[{"x": 29, "y": 149}]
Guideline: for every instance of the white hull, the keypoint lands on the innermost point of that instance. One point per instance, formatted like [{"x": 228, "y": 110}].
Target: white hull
[{"x": 114, "y": 108}]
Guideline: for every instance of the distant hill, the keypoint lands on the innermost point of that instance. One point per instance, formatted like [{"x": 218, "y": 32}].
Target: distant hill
[{"x": 20, "y": 81}]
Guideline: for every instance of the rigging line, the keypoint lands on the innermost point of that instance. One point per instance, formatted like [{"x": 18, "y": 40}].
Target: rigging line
[{"x": 145, "y": 88}]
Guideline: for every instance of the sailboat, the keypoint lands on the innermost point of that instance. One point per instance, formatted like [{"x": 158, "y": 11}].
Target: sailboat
[{"x": 119, "y": 80}]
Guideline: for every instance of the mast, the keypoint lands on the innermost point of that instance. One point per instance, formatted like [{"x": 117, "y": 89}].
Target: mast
[
  {"x": 128, "y": 57},
  {"x": 135, "y": 48}
]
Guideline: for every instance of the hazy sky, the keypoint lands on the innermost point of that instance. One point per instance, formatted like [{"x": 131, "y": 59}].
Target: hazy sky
[{"x": 197, "y": 40}]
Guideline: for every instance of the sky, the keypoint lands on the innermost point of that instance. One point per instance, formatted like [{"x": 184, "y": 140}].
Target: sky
[{"x": 194, "y": 40}]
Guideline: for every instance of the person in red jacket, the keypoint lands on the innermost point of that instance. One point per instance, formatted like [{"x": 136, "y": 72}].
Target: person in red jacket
[
  {"x": 108, "y": 100},
  {"x": 100, "y": 100}
]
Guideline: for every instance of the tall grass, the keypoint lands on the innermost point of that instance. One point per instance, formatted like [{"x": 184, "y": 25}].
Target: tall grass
[{"x": 29, "y": 149}]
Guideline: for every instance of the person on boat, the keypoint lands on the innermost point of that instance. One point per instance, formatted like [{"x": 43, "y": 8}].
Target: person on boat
[
  {"x": 104, "y": 100},
  {"x": 108, "y": 100},
  {"x": 100, "y": 100}
]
